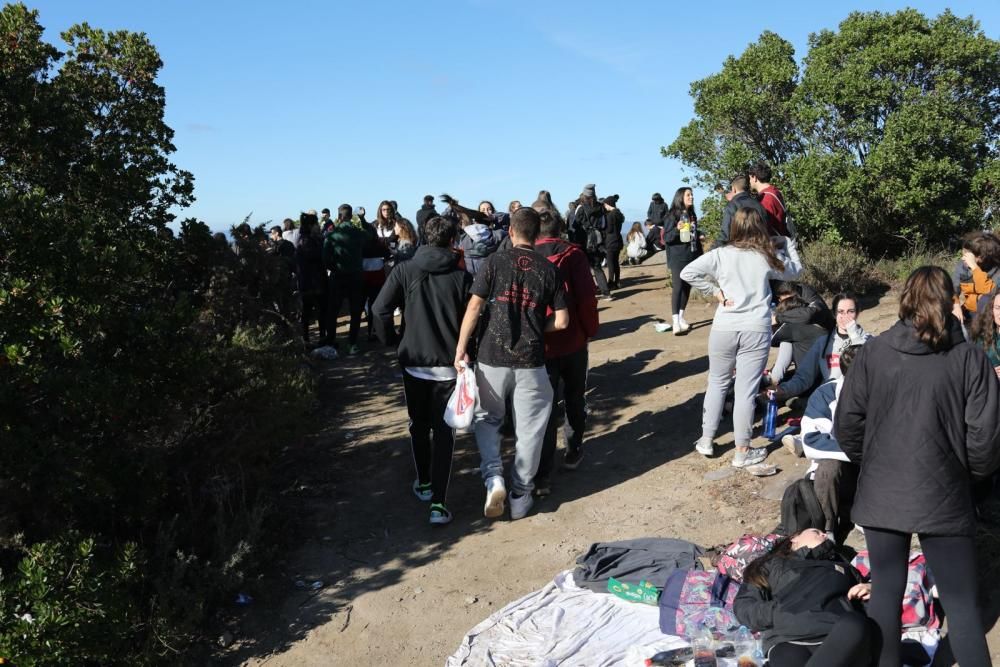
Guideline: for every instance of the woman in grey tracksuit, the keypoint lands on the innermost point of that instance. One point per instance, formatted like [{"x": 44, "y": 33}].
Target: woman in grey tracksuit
[{"x": 737, "y": 276}]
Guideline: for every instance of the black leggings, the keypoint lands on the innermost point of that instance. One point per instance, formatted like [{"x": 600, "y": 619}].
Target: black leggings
[
  {"x": 431, "y": 439},
  {"x": 681, "y": 289},
  {"x": 953, "y": 562},
  {"x": 849, "y": 644},
  {"x": 614, "y": 267}
]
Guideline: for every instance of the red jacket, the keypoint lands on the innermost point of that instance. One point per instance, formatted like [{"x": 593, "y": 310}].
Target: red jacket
[
  {"x": 772, "y": 201},
  {"x": 581, "y": 297}
]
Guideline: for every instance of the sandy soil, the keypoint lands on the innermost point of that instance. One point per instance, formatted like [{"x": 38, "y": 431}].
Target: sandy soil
[{"x": 397, "y": 591}]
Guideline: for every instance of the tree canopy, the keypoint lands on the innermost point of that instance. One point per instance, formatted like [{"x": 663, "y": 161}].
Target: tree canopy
[{"x": 884, "y": 136}]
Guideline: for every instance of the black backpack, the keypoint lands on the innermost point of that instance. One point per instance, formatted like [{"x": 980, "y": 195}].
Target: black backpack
[{"x": 800, "y": 509}]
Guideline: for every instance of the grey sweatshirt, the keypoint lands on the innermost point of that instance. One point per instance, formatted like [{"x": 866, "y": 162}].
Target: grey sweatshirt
[{"x": 742, "y": 276}]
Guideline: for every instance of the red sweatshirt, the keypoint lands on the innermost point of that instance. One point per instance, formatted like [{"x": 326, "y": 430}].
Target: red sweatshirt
[
  {"x": 772, "y": 201},
  {"x": 578, "y": 283}
]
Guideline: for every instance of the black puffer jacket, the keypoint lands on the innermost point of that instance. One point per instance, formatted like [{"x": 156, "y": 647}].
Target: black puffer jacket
[
  {"x": 657, "y": 211},
  {"x": 923, "y": 425},
  {"x": 806, "y": 595}
]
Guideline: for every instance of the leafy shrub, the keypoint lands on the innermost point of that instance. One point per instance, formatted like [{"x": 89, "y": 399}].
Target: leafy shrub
[
  {"x": 895, "y": 271},
  {"x": 837, "y": 267}
]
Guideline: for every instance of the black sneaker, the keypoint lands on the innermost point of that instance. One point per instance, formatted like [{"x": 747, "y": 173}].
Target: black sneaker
[{"x": 571, "y": 461}]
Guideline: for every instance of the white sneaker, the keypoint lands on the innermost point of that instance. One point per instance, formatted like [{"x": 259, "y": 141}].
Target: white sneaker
[
  {"x": 496, "y": 495},
  {"x": 662, "y": 327},
  {"x": 751, "y": 457},
  {"x": 704, "y": 446},
  {"x": 520, "y": 506},
  {"x": 682, "y": 322},
  {"x": 677, "y": 327}
]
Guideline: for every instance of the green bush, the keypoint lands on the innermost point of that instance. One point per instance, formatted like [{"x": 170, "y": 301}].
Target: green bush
[
  {"x": 895, "y": 271},
  {"x": 147, "y": 381},
  {"x": 836, "y": 267}
]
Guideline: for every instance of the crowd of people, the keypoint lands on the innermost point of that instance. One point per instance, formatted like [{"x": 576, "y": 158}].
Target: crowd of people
[{"x": 905, "y": 443}]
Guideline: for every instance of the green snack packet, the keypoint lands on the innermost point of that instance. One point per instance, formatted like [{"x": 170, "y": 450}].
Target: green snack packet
[{"x": 643, "y": 592}]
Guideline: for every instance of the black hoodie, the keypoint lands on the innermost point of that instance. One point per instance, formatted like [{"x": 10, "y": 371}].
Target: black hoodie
[
  {"x": 923, "y": 425},
  {"x": 433, "y": 292},
  {"x": 805, "y": 597}
]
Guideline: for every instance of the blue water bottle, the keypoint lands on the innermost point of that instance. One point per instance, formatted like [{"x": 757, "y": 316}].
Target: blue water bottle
[{"x": 771, "y": 418}]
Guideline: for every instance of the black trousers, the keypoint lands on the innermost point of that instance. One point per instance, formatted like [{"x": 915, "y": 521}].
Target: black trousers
[
  {"x": 568, "y": 375},
  {"x": 349, "y": 287},
  {"x": 371, "y": 294},
  {"x": 614, "y": 266},
  {"x": 425, "y": 403},
  {"x": 681, "y": 290},
  {"x": 314, "y": 306},
  {"x": 953, "y": 562},
  {"x": 849, "y": 644},
  {"x": 835, "y": 484}
]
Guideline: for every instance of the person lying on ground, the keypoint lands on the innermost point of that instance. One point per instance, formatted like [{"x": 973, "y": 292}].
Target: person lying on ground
[
  {"x": 805, "y": 599},
  {"x": 822, "y": 362}
]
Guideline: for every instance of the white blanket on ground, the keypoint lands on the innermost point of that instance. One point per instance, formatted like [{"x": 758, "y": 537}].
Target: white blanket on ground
[{"x": 563, "y": 625}]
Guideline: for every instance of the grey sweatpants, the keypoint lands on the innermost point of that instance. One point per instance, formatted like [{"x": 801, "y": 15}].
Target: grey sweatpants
[
  {"x": 746, "y": 351},
  {"x": 530, "y": 393}
]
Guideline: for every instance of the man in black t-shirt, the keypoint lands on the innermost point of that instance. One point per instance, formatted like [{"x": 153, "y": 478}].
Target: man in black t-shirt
[{"x": 512, "y": 296}]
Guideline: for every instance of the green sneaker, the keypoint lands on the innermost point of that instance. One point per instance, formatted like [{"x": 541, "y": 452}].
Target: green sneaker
[
  {"x": 422, "y": 491},
  {"x": 440, "y": 514},
  {"x": 354, "y": 349}
]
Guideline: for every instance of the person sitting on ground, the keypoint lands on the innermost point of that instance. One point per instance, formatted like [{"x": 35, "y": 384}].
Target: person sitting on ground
[
  {"x": 521, "y": 287},
  {"x": 566, "y": 354},
  {"x": 770, "y": 198},
  {"x": 986, "y": 329},
  {"x": 822, "y": 362},
  {"x": 739, "y": 197},
  {"x": 835, "y": 478},
  {"x": 737, "y": 276},
  {"x": 801, "y": 316},
  {"x": 635, "y": 248},
  {"x": 433, "y": 290},
  {"x": 978, "y": 272},
  {"x": 805, "y": 599}
]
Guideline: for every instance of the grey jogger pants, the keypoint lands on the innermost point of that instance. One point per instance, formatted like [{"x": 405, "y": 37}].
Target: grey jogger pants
[
  {"x": 531, "y": 402},
  {"x": 746, "y": 351}
]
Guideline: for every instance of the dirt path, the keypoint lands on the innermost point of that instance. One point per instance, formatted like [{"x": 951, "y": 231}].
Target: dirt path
[{"x": 396, "y": 591}]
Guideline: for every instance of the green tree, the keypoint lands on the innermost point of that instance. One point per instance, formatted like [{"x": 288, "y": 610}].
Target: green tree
[{"x": 888, "y": 136}]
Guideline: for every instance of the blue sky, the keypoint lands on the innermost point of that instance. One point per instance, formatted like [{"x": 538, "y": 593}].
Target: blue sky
[{"x": 282, "y": 107}]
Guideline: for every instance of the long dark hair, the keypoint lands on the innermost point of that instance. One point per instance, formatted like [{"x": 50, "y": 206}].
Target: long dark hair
[
  {"x": 926, "y": 302},
  {"x": 749, "y": 233},
  {"x": 756, "y": 572},
  {"x": 677, "y": 206},
  {"x": 382, "y": 221},
  {"x": 984, "y": 326}
]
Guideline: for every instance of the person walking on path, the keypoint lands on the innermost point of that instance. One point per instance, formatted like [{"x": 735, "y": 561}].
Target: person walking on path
[
  {"x": 514, "y": 292},
  {"x": 737, "y": 276},
  {"x": 682, "y": 240},
  {"x": 566, "y": 354},
  {"x": 920, "y": 413},
  {"x": 343, "y": 258},
  {"x": 433, "y": 291}
]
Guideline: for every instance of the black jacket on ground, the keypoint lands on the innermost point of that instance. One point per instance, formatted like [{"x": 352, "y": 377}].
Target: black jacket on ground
[
  {"x": 923, "y": 425},
  {"x": 433, "y": 292},
  {"x": 806, "y": 596},
  {"x": 741, "y": 200}
]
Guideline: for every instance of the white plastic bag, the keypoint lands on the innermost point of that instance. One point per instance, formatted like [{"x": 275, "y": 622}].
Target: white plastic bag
[{"x": 462, "y": 405}]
